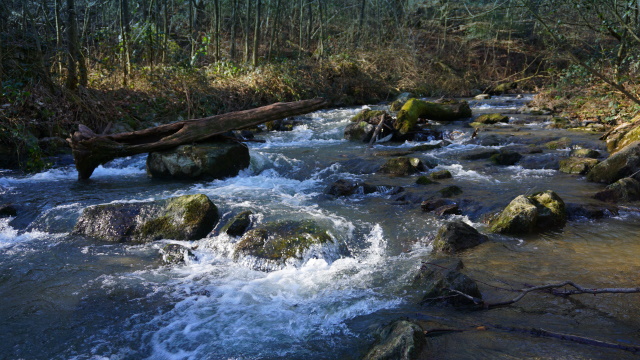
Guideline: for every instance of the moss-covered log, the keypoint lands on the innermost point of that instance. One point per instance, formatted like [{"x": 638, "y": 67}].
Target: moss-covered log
[{"x": 91, "y": 150}]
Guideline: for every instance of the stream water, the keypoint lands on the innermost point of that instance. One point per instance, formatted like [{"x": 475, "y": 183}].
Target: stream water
[{"x": 65, "y": 296}]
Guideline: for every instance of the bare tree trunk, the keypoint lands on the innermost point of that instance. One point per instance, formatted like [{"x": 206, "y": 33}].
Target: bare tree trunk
[
  {"x": 217, "y": 29},
  {"x": 247, "y": 30},
  {"x": 358, "y": 36},
  {"x": 91, "y": 150},
  {"x": 165, "y": 31},
  {"x": 321, "y": 39},
  {"x": 234, "y": 14},
  {"x": 256, "y": 35},
  {"x": 124, "y": 32},
  {"x": 59, "y": 56},
  {"x": 72, "y": 74},
  {"x": 192, "y": 40}
]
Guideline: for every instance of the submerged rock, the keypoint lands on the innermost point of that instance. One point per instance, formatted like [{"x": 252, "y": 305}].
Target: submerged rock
[
  {"x": 423, "y": 180},
  {"x": 407, "y": 118},
  {"x": 439, "y": 277},
  {"x": 588, "y": 211},
  {"x": 479, "y": 154},
  {"x": 623, "y": 190},
  {"x": 402, "y": 166},
  {"x": 619, "y": 165},
  {"x": 238, "y": 224},
  {"x": 188, "y": 217},
  {"x": 506, "y": 158},
  {"x": 456, "y": 236},
  {"x": 176, "y": 254},
  {"x": 577, "y": 165},
  {"x": 344, "y": 187},
  {"x": 215, "y": 160},
  {"x": 450, "y": 191},
  {"x": 400, "y": 340},
  {"x": 427, "y": 147},
  {"x": 8, "y": 210},
  {"x": 441, "y": 174},
  {"x": 282, "y": 240},
  {"x": 538, "y": 212}
]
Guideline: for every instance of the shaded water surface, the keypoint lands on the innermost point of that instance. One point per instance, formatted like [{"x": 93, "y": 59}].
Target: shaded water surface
[{"x": 69, "y": 297}]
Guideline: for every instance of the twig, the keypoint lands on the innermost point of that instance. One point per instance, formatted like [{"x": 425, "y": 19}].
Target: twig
[{"x": 377, "y": 131}]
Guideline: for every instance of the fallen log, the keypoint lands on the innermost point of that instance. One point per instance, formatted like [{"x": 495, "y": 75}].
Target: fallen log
[{"x": 91, "y": 150}]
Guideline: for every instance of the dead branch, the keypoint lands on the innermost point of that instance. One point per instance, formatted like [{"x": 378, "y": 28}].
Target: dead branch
[{"x": 91, "y": 149}]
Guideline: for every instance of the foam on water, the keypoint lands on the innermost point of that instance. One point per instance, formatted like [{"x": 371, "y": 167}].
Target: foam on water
[
  {"x": 522, "y": 173},
  {"x": 10, "y": 236},
  {"x": 459, "y": 172},
  {"x": 226, "y": 310}
]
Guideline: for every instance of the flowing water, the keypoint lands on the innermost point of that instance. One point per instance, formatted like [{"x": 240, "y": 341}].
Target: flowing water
[{"x": 64, "y": 296}]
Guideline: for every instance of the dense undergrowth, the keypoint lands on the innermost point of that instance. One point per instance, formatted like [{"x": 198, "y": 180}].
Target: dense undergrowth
[{"x": 37, "y": 114}]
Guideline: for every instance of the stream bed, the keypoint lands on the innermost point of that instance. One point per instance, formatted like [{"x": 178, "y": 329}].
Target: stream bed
[{"x": 65, "y": 296}]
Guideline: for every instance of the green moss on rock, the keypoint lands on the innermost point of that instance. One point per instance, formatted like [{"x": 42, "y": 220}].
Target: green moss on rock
[
  {"x": 490, "y": 119},
  {"x": 562, "y": 143},
  {"x": 282, "y": 240},
  {"x": 414, "y": 109},
  {"x": 538, "y": 212},
  {"x": 577, "y": 165},
  {"x": 402, "y": 166},
  {"x": 188, "y": 217},
  {"x": 368, "y": 115}
]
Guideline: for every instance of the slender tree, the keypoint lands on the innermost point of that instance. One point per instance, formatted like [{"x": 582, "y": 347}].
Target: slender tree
[
  {"x": 124, "y": 35},
  {"x": 234, "y": 15},
  {"x": 72, "y": 38},
  {"x": 256, "y": 35},
  {"x": 247, "y": 31}
]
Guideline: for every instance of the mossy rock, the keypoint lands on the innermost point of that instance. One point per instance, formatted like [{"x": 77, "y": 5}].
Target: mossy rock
[
  {"x": 619, "y": 165},
  {"x": 426, "y": 147},
  {"x": 414, "y": 109},
  {"x": 238, "y": 224},
  {"x": 562, "y": 143},
  {"x": 212, "y": 160},
  {"x": 585, "y": 153},
  {"x": 450, "y": 191},
  {"x": 188, "y": 217},
  {"x": 489, "y": 119},
  {"x": 400, "y": 340},
  {"x": 369, "y": 116},
  {"x": 577, "y": 165},
  {"x": 282, "y": 240},
  {"x": 524, "y": 215},
  {"x": 456, "y": 236},
  {"x": 396, "y": 105},
  {"x": 503, "y": 88},
  {"x": 505, "y": 158},
  {"x": 402, "y": 166},
  {"x": 629, "y": 137},
  {"x": 441, "y": 174},
  {"x": 479, "y": 154},
  {"x": 623, "y": 190},
  {"x": 359, "y": 131},
  {"x": 424, "y": 180}
]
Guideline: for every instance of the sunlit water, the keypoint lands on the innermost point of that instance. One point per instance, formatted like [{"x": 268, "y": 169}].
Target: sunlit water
[{"x": 69, "y": 297}]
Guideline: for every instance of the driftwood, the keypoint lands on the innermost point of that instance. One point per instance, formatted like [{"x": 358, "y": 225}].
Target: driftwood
[{"x": 91, "y": 150}]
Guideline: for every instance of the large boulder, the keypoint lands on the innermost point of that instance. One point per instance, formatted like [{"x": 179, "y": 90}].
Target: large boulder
[
  {"x": 359, "y": 131},
  {"x": 577, "y": 165},
  {"x": 214, "y": 160},
  {"x": 623, "y": 163},
  {"x": 456, "y": 236},
  {"x": 413, "y": 109},
  {"x": 188, "y": 217},
  {"x": 400, "y": 340},
  {"x": 505, "y": 157},
  {"x": 528, "y": 214},
  {"x": 625, "y": 189},
  {"x": 439, "y": 277},
  {"x": 282, "y": 240}
]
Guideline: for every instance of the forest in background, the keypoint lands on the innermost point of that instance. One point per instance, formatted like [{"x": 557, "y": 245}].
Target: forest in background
[{"x": 122, "y": 65}]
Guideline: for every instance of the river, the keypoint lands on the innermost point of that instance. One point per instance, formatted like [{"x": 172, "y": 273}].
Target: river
[{"x": 64, "y": 296}]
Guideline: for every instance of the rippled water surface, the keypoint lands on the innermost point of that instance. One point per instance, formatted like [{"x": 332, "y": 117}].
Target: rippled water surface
[{"x": 69, "y": 297}]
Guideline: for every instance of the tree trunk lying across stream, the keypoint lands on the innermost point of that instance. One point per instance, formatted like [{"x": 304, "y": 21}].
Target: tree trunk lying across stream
[{"x": 91, "y": 150}]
